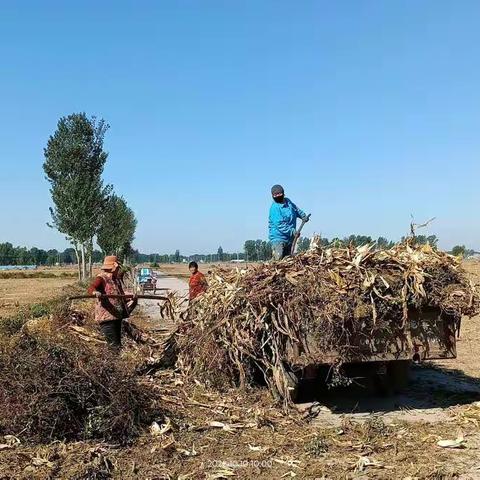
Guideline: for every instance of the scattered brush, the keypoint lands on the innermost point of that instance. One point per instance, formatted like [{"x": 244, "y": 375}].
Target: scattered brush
[
  {"x": 56, "y": 386},
  {"x": 345, "y": 301}
]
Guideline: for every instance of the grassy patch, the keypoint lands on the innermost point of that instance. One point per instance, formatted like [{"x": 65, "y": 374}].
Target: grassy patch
[
  {"x": 317, "y": 446},
  {"x": 12, "y": 325}
]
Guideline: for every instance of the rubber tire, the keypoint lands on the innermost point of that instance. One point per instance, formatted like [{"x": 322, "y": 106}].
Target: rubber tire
[
  {"x": 382, "y": 381},
  {"x": 398, "y": 372}
]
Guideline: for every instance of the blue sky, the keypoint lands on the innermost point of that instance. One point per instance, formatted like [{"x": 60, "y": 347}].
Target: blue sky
[{"x": 365, "y": 111}]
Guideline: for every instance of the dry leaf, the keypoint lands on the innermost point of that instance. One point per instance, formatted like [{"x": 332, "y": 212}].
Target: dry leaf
[
  {"x": 230, "y": 427},
  {"x": 40, "y": 462},
  {"x": 364, "y": 462},
  {"x": 224, "y": 473},
  {"x": 459, "y": 442},
  {"x": 188, "y": 453},
  {"x": 257, "y": 449},
  {"x": 10, "y": 442}
]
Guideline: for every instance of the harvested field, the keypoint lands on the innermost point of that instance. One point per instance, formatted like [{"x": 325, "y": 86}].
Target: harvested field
[
  {"x": 16, "y": 293},
  {"x": 468, "y": 355},
  {"x": 180, "y": 270},
  {"x": 212, "y": 436},
  {"x": 36, "y": 274}
]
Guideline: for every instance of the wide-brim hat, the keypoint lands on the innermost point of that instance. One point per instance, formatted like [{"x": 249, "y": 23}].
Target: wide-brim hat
[{"x": 110, "y": 262}]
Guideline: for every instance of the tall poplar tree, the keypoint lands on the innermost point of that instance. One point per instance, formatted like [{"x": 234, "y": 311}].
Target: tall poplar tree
[
  {"x": 117, "y": 227},
  {"x": 74, "y": 163}
]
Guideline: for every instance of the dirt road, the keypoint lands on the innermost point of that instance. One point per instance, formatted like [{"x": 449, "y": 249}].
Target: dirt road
[{"x": 149, "y": 311}]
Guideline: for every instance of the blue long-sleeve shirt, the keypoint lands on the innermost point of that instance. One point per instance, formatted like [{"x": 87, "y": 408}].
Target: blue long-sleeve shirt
[{"x": 282, "y": 221}]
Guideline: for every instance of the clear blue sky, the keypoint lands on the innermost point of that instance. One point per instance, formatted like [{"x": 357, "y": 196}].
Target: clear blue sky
[{"x": 365, "y": 111}]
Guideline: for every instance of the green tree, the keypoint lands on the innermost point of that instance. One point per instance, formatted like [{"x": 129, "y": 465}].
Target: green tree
[
  {"x": 250, "y": 250},
  {"x": 255, "y": 250},
  {"x": 259, "y": 251},
  {"x": 432, "y": 240},
  {"x": 303, "y": 244},
  {"x": 53, "y": 257},
  {"x": 38, "y": 256},
  {"x": 97, "y": 256},
  {"x": 267, "y": 250},
  {"x": 220, "y": 254},
  {"x": 337, "y": 242},
  {"x": 7, "y": 254},
  {"x": 68, "y": 256},
  {"x": 22, "y": 256},
  {"x": 459, "y": 250},
  {"x": 74, "y": 163},
  {"x": 384, "y": 243},
  {"x": 177, "y": 256},
  {"x": 357, "y": 240},
  {"x": 117, "y": 227}
]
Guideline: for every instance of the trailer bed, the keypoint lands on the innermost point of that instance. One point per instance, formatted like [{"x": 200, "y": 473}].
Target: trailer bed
[{"x": 428, "y": 334}]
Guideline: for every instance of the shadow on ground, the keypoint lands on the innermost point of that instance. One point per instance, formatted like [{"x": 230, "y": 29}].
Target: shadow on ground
[{"x": 430, "y": 390}]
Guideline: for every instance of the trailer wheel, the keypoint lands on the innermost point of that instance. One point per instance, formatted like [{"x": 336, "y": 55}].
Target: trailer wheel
[
  {"x": 398, "y": 372},
  {"x": 392, "y": 377},
  {"x": 381, "y": 380}
]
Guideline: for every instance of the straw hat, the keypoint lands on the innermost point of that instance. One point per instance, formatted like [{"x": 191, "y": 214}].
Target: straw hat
[{"x": 110, "y": 262}]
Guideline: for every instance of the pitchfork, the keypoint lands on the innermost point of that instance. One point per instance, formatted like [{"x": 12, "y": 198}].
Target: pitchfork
[{"x": 297, "y": 233}]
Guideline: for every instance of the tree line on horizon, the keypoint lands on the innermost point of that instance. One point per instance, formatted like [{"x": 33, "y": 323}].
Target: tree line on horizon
[{"x": 254, "y": 250}]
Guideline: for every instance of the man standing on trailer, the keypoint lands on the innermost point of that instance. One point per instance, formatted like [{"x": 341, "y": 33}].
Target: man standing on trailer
[
  {"x": 282, "y": 223},
  {"x": 109, "y": 312}
]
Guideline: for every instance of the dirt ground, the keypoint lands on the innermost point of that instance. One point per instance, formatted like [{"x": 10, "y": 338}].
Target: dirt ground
[
  {"x": 346, "y": 434},
  {"x": 468, "y": 354}
]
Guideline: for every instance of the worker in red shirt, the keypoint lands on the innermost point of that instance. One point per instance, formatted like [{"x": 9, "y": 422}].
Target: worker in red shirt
[
  {"x": 198, "y": 282},
  {"x": 109, "y": 312}
]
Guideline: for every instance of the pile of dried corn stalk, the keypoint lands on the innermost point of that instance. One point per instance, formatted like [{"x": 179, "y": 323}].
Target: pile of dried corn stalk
[{"x": 250, "y": 322}]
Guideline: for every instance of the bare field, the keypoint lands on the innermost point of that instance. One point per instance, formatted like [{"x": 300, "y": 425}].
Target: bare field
[
  {"x": 468, "y": 346},
  {"x": 18, "y": 292},
  {"x": 180, "y": 270}
]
